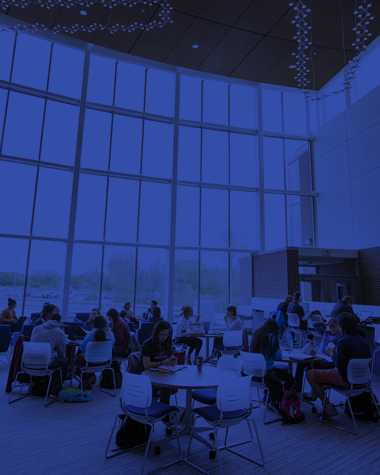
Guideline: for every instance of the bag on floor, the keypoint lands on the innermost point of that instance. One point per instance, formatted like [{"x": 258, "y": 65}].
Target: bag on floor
[
  {"x": 74, "y": 395},
  {"x": 291, "y": 407},
  {"x": 40, "y": 385},
  {"x": 363, "y": 407},
  {"x": 107, "y": 377},
  {"x": 132, "y": 434}
]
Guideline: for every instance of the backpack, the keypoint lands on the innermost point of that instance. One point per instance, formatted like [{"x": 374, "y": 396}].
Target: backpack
[
  {"x": 107, "y": 377},
  {"x": 132, "y": 433},
  {"x": 291, "y": 408},
  {"x": 363, "y": 407},
  {"x": 40, "y": 385},
  {"x": 74, "y": 395}
]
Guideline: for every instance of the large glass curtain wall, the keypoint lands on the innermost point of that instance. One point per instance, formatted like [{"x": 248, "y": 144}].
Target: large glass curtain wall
[{"x": 125, "y": 182}]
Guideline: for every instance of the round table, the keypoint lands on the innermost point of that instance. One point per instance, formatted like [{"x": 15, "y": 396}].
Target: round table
[{"x": 207, "y": 337}]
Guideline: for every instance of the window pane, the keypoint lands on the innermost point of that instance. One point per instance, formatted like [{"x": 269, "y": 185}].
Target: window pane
[
  {"x": 241, "y": 281},
  {"x": 185, "y": 279},
  {"x": 118, "y": 277},
  {"x": 15, "y": 217},
  {"x": 61, "y": 120},
  {"x": 101, "y": 80},
  {"x": 243, "y": 160},
  {"x": 23, "y": 126},
  {"x": 158, "y": 149},
  {"x": 214, "y": 286},
  {"x": 53, "y": 199},
  {"x": 45, "y": 275},
  {"x": 300, "y": 221},
  {"x": 130, "y": 85},
  {"x": 243, "y": 106},
  {"x": 214, "y": 218},
  {"x": 126, "y": 144},
  {"x": 297, "y": 165},
  {"x": 151, "y": 279},
  {"x": 66, "y": 71},
  {"x": 31, "y": 64},
  {"x": 13, "y": 256},
  {"x": 85, "y": 278},
  {"x": 295, "y": 113},
  {"x": 272, "y": 110},
  {"x": 160, "y": 92},
  {"x": 215, "y": 157},
  {"x": 154, "y": 213},
  {"x": 7, "y": 39},
  {"x": 123, "y": 196},
  {"x": 273, "y": 163},
  {"x": 189, "y": 154},
  {"x": 190, "y": 98},
  {"x": 275, "y": 221},
  {"x": 91, "y": 207},
  {"x": 215, "y": 102},
  {"x": 3, "y": 101},
  {"x": 187, "y": 222},
  {"x": 96, "y": 140},
  {"x": 244, "y": 220}
]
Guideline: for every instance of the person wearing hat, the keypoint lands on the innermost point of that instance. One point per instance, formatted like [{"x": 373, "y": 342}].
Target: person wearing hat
[{"x": 343, "y": 306}]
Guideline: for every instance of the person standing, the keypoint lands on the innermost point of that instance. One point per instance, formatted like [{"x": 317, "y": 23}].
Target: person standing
[{"x": 8, "y": 315}]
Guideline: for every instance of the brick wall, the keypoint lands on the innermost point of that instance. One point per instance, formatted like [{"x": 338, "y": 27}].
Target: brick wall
[
  {"x": 346, "y": 268},
  {"x": 369, "y": 272}
]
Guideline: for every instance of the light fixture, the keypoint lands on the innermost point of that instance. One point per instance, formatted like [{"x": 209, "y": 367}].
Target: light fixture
[
  {"x": 110, "y": 4},
  {"x": 195, "y": 46}
]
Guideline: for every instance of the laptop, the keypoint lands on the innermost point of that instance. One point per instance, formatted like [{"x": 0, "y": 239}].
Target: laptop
[
  {"x": 364, "y": 314},
  {"x": 75, "y": 333},
  {"x": 21, "y": 319},
  {"x": 206, "y": 326}
]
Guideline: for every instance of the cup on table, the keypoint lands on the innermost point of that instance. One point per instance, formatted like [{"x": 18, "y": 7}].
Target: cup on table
[{"x": 199, "y": 362}]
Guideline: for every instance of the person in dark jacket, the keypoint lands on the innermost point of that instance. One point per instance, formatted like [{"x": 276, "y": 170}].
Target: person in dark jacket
[
  {"x": 121, "y": 331},
  {"x": 283, "y": 307},
  {"x": 295, "y": 306},
  {"x": 343, "y": 306},
  {"x": 156, "y": 315}
]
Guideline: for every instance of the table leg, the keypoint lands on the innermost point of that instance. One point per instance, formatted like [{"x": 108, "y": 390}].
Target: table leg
[{"x": 207, "y": 347}]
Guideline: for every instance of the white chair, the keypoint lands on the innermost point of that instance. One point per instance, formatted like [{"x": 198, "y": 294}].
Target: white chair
[
  {"x": 358, "y": 375},
  {"x": 254, "y": 364},
  {"x": 35, "y": 361},
  {"x": 294, "y": 327},
  {"x": 137, "y": 403},
  {"x": 233, "y": 406},
  {"x": 233, "y": 342},
  {"x": 99, "y": 355}
]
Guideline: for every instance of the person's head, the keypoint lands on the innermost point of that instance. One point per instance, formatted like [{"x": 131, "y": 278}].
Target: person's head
[
  {"x": 333, "y": 326},
  {"x": 187, "y": 312},
  {"x": 231, "y": 311},
  {"x": 348, "y": 323},
  {"x": 260, "y": 338},
  {"x": 288, "y": 298},
  {"x": 297, "y": 297},
  {"x": 123, "y": 315},
  {"x": 11, "y": 303},
  {"x": 56, "y": 317},
  {"x": 47, "y": 311},
  {"x": 156, "y": 312},
  {"x": 348, "y": 300},
  {"x": 94, "y": 313},
  {"x": 113, "y": 316},
  {"x": 162, "y": 335},
  {"x": 127, "y": 306},
  {"x": 100, "y": 326},
  {"x": 153, "y": 304}
]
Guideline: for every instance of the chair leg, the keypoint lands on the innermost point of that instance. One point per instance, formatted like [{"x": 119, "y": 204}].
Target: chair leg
[
  {"x": 217, "y": 450},
  {"x": 146, "y": 452},
  {"x": 109, "y": 440},
  {"x": 265, "y": 412},
  {"x": 20, "y": 386},
  {"x": 325, "y": 421},
  {"x": 48, "y": 390}
]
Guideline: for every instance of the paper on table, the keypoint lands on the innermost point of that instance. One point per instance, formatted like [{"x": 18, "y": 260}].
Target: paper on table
[{"x": 169, "y": 369}]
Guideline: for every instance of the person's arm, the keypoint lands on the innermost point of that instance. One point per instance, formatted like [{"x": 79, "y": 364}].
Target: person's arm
[
  {"x": 85, "y": 341},
  {"x": 341, "y": 358},
  {"x": 61, "y": 345},
  {"x": 155, "y": 364},
  {"x": 319, "y": 327}
]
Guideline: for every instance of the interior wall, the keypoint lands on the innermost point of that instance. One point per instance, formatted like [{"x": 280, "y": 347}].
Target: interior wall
[{"x": 346, "y": 171}]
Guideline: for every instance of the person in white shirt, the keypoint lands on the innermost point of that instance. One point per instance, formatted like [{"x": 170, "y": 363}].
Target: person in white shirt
[
  {"x": 232, "y": 322},
  {"x": 181, "y": 329}
]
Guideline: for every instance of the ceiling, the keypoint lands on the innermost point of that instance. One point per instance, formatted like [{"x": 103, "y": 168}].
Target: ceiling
[{"x": 244, "y": 39}]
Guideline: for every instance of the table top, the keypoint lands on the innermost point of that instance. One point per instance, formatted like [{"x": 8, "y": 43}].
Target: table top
[
  {"x": 204, "y": 335},
  {"x": 292, "y": 357},
  {"x": 190, "y": 378}
]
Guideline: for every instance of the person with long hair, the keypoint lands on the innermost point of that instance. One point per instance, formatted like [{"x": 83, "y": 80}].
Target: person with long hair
[
  {"x": 182, "y": 327},
  {"x": 93, "y": 314},
  {"x": 265, "y": 341},
  {"x": 155, "y": 315},
  {"x": 351, "y": 346},
  {"x": 8, "y": 316},
  {"x": 121, "y": 331}
]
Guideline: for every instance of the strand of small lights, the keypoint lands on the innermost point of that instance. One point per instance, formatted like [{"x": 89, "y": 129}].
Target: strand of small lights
[
  {"x": 164, "y": 14},
  {"x": 303, "y": 44}
]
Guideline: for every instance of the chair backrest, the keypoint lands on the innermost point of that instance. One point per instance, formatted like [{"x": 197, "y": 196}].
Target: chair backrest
[
  {"x": 5, "y": 339},
  {"x": 27, "y": 330},
  {"x": 145, "y": 331},
  {"x": 254, "y": 364},
  {"x": 358, "y": 371},
  {"x": 293, "y": 320},
  {"x": 136, "y": 390},
  {"x": 312, "y": 319},
  {"x": 5, "y": 328},
  {"x": 83, "y": 316},
  {"x": 98, "y": 351},
  {"x": 234, "y": 394},
  {"x": 233, "y": 338},
  {"x": 36, "y": 355},
  {"x": 230, "y": 364}
]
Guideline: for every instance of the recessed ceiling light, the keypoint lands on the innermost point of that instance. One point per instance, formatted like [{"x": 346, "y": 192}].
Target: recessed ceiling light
[
  {"x": 83, "y": 12},
  {"x": 143, "y": 11},
  {"x": 195, "y": 46},
  {"x": 292, "y": 66}
]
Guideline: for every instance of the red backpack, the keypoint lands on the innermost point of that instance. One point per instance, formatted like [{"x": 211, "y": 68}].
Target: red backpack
[{"x": 291, "y": 407}]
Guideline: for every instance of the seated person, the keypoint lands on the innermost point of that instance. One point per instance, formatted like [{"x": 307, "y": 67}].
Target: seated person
[
  {"x": 295, "y": 307},
  {"x": 149, "y": 312},
  {"x": 100, "y": 332},
  {"x": 232, "y": 322},
  {"x": 51, "y": 332},
  {"x": 331, "y": 335},
  {"x": 343, "y": 306},
  {"x": 283, "y": 307},
  {"x": 156, "y": 315},
  {"x": 46, "y": 313},
  {"x": 93, "y": 314},
  {"x": 182, "y": 326},
  {"x": 129, "y": 315},
  {"x": 265, "y": 341},
  {"x": 350, "y": 346},
  {"x": 121, "y": 331},
  {"x": 124, "y": 316},
  {"x": 158, "y": 351},
  {"x": 8, "y": 316}
]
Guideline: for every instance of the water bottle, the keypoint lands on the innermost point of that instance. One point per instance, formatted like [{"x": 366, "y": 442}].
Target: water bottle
[{"x": 290, "y": 338}]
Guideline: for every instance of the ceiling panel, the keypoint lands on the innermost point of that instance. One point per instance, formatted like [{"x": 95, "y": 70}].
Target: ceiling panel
[
  {"x": 220, "y": 11},
  {"x": 262, "y": 15}
]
